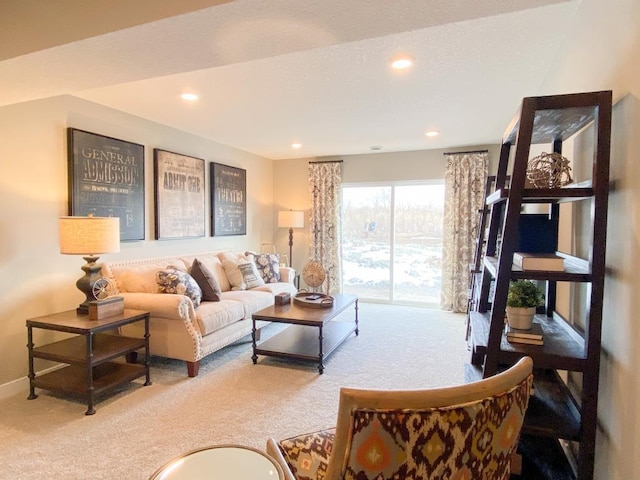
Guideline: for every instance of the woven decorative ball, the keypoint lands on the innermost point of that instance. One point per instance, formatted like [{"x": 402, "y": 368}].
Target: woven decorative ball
[{"x": 549, "y": 170}]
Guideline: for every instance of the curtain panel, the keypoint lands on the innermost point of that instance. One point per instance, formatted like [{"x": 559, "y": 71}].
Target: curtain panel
[
  {"x": 465, "y": 178},
  {"x": 325, "y": 179}
]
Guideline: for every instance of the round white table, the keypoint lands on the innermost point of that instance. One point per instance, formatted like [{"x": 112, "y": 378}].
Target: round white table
[{"x": 221, "y": 462}]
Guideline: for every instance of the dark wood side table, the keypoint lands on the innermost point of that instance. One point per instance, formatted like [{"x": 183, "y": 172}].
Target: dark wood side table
[{"x": 89, "y": 356}]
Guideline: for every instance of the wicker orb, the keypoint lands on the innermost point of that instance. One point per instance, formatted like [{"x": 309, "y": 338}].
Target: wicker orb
[{"x": 549, "y": 170}]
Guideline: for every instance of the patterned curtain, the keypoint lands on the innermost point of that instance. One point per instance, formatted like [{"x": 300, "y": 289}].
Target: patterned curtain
[
  {"x": 324, "y": 186},
  {"x": 465, "y": 178}
]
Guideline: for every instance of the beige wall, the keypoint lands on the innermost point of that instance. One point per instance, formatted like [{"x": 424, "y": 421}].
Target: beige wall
[
  {"x": 35, "y": 279},
  {"x": 601, "y": 52},
  {"x": 291, "y": 182}
]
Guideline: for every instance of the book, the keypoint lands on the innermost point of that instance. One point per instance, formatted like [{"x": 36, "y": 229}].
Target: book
[
  {"x": 535, "y": 332},
  {"x": 538, "y": 261},
  {"x": 529, "y": 341}
]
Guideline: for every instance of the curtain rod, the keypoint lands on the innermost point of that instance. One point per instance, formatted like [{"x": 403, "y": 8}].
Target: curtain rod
[
  {"x": 328, "y": 161},
  {"x": 462, "y": 153}
]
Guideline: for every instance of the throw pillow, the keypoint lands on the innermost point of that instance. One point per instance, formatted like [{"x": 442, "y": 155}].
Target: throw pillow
[
  {"x": 206, "y": 281},
  {"x": 268, "y": 265},
  {"x": 250, "y": 275},
  {"x": 174, "y": 280},
  {"x": 233, "y": 275}
]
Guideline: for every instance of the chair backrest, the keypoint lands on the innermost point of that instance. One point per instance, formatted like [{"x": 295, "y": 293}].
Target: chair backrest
[{"x": 465, "y": 431}]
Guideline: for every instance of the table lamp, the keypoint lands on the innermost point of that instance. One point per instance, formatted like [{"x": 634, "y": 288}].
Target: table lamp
[
  {"x": 89, "y": 236},
  {"x": 290, "y": 219}
]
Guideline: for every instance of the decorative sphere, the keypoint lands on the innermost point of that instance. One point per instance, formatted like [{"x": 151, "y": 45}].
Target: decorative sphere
[
  {"x": 313, "y": 274},
  {"x": 549, "y": 170}
]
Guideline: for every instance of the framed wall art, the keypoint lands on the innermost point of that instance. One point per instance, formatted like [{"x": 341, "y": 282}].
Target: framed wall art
[
  {"x": 228, "y": 190},
  {"x": 179, "y": 195},
  {"x": 106, "y": 179}
]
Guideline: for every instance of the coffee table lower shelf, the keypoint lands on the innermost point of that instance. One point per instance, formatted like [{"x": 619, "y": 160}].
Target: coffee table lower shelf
[{"x": 303, "y": 342}]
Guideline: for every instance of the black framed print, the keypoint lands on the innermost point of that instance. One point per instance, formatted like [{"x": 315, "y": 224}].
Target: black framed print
[
  {"x": 106, "y": 179},
  {"x": 228, "y": 190},
  {"x": 179, "y": 195}
]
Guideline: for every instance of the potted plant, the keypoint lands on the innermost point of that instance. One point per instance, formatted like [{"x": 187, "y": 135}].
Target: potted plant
[{"x": 523, "y": 298}]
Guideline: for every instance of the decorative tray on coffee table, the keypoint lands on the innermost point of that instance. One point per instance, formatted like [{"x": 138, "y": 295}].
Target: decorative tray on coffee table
[{"x": 313, "y": 300}]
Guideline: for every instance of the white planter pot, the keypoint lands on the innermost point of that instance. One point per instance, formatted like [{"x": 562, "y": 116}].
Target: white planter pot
[{"x": 521, "y": 317}]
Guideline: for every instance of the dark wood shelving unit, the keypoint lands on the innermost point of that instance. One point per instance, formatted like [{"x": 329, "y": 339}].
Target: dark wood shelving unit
[{"x": 556, "y": 414}]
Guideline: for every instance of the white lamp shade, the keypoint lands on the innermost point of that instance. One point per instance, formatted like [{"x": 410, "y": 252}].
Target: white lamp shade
[
  {"x": 89, "y": 235},
  {"x": 290, "y": 219}
]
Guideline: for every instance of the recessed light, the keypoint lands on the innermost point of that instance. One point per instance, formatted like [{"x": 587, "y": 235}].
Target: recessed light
[
  {"x": 190, "y": 97},
  {"x": 400, "y": 62},
  {"x": 375, "y": 148},
  {"x": 296, "y": 145},
  {"x": 432, "y": 133}
]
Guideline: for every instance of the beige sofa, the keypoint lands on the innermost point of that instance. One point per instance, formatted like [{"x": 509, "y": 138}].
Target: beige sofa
[{"x": 178, "y": 328}]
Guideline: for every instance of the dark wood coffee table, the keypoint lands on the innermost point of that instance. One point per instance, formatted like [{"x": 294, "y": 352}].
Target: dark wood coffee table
[{"x": 312, "y": 334}]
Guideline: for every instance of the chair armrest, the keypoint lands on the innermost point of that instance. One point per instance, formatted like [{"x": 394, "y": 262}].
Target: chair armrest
[
  {"x": 274, "y": 452},
  {"x": 287, "y": 274},
  {"x": 296, "y": 451}
]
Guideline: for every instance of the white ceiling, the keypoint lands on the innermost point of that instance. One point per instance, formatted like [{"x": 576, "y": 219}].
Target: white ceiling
[{"x": 273, "y": 72}]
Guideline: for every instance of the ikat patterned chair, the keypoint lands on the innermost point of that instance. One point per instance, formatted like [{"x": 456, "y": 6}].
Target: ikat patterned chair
[{"x": 465, "y": 432}]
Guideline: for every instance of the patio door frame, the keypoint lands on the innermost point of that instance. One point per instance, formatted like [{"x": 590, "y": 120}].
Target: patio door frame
[{"x": 392, "y": 234}]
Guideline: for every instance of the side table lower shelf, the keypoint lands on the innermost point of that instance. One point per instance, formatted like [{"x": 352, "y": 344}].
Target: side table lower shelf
[{"x": 72, "y": 379}]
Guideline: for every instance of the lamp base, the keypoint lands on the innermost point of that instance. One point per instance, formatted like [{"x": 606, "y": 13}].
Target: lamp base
[
  {"x": 92, "y": 273},
  {"x": 290, "y": 246}
]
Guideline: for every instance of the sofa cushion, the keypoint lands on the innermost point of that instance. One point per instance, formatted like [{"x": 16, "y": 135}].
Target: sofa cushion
[
  {"x": 268, "y": 265},
  {"x": 252, "y": 300},
  {"x": 213, "y": 316},
  {"x": 206, "y": 280},
  {"x": 177, "y": 281}
]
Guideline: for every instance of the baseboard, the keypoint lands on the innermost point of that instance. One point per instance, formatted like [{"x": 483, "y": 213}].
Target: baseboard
[
  {"x": 13, "y": 388},
  {"x": 21, "y": 385}
]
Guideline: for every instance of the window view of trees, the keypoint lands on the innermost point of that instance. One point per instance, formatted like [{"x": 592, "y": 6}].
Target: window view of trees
[{"x": 392, "y": 242}]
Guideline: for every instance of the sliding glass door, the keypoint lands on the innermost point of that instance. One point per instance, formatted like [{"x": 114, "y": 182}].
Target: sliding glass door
[
  {"x": 366, "y": 241},
  {"x": 392, "y": 242}
]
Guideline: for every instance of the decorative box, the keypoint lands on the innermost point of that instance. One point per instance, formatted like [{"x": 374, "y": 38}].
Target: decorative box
[
  {"x": 282, "y": 298},
  {"x": 108, "y": 307}
]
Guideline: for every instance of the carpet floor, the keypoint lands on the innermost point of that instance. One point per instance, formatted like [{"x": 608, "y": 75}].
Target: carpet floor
[{"x": 231, "y": 401}]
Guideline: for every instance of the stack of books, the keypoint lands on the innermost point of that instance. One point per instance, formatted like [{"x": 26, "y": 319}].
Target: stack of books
[{"x": 533, "y": 336}]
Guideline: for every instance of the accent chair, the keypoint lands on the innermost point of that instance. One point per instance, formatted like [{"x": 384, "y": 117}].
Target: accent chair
[{"x": 468, "y": 431}]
